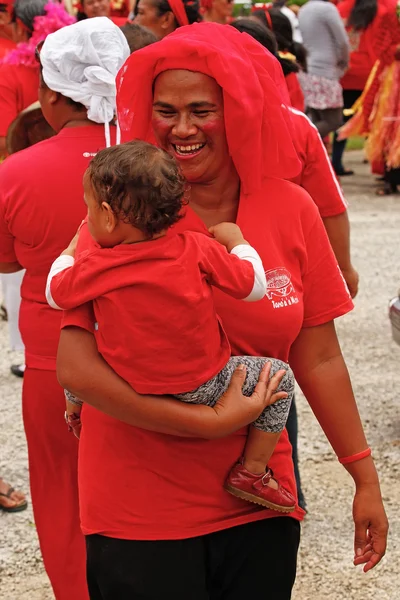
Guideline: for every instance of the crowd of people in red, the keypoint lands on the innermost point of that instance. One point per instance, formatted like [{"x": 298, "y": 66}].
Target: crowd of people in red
[{"x": 232, "y": 118}]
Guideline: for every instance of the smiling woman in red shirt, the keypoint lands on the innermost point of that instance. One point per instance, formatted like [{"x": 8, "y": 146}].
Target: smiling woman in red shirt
[{"x": 213, "y": 98}]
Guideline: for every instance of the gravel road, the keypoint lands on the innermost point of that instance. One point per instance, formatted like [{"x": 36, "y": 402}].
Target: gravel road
[{"x": 325, "y": 562}]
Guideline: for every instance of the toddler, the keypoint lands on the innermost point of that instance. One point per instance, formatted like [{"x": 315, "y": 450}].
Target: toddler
[{"x": 152, "y": 295}]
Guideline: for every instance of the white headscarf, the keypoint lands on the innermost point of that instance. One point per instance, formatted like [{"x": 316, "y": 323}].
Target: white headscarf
[{"x": 81, "y": 62}]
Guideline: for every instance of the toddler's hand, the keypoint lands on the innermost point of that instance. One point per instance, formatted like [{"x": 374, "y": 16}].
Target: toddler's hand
[
  {"x": 70, "y": 250},
  {"x": 228, "y": 234}
]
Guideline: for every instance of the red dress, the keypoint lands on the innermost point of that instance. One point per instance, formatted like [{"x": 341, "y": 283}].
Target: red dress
[{"x": 41, "y": 207}]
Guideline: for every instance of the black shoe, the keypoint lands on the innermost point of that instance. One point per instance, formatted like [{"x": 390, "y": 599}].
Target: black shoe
[
  {"x": 17, "y": 370},
  {"x": 343, "y": 173}
]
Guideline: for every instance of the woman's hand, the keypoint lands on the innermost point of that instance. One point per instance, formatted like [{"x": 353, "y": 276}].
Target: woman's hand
[
  {"x": 234, "y": 410},
  {"x": 371, "y": 526}
]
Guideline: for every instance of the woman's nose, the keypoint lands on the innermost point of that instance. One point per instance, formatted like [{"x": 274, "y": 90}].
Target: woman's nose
[{"x": 184, "y": 127}]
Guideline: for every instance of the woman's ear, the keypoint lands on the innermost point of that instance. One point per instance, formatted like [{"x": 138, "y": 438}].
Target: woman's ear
[
  {"x": 110, "y": 220},
  {"x": 168, "y": 21}
]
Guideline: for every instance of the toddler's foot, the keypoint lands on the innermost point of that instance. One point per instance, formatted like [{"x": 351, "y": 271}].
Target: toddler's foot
[{"x": 258, "y": 489}]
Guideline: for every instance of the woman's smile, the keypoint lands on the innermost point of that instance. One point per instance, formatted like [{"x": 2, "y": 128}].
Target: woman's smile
[{"x": 185, "y": 150}]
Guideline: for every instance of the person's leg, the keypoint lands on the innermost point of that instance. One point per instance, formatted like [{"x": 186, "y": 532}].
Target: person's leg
[
  {"x": 329, "y": 120},
  {"x": 349, "y": 98},
  {"x": 256, "y": 560},
  {"x": 53, "y": 454},
  {"x": 292, "y": 429},
  {"x": 251, "y": 479},
  {"x": 10, "y": 499},
  {"x": 146, "y": 570}
]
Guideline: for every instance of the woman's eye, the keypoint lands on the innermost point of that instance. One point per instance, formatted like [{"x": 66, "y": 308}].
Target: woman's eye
[
  {"x": 201, "y": 113},
  {"x": 166, "y": 113}
]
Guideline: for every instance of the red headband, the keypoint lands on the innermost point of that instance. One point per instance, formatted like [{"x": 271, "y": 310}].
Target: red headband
[
  {"x": 257, "y": 122},
  {"x": 178, "y": 8},
  {"x": 265, "y": 8}
]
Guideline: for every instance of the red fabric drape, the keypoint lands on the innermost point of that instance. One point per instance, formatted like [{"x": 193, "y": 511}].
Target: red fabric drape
[{"x": 258, "y": 126}]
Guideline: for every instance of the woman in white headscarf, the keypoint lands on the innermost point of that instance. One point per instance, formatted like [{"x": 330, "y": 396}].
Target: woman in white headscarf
[{"x": 41, "y": 206}]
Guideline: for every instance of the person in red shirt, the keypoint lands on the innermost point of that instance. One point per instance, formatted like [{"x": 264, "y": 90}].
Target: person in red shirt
[
  {"x": 171, "y": 515},
  {"x": 7, "y": 41},
  {"x": 362, "y": 20},
  {"x": 138, "y": 257},
  {"x": 19, "y": 73},
  {"x": 164, "y": 16},
  {"x": 41, "y": 207}
]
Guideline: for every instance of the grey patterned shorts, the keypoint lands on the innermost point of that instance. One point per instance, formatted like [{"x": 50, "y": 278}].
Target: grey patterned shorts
[{"x": 273, "y": 418}]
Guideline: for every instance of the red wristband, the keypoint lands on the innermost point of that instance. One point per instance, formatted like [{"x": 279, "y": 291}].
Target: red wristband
[{"x": 354, "y": 457}]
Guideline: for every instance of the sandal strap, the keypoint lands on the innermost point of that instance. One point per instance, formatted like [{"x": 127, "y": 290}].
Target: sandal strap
[{"x": 8, "y": 495}]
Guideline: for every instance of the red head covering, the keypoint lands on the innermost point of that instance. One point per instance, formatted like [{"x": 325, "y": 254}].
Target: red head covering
[
  {"x": 178, "y": 8},
  {"x": 257, "y": 122}
]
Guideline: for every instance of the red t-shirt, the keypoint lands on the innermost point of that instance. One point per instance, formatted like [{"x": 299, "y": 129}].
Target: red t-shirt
[
  {"x": 161, "y": 292},
  {"x": 6, "y": 46},
  {"x": 41, "y": 207},
  {"x": 172, "y": 487},
  {"x": 363, "y": 52},
  {"x": 317, "y": 176},
  {"x": 295, "y": 92},
  {"x": 18, "y": 90}
]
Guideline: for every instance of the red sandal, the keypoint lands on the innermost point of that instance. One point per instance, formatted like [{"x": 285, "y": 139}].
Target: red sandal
[{"x": 254, "y": 488}]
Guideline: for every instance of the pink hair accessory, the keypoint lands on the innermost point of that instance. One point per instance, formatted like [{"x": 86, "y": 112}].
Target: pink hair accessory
[
  {"x": 178, "y": 8},
  {"x": 55, "y": 18}
]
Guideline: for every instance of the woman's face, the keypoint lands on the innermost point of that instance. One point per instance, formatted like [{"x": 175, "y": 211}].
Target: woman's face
[
  {"x": 188, "y": 121},
  {"x": 148, "y": 16},
  {"x": 223, "y": 10},
  {"x": 96, "y": 8}
]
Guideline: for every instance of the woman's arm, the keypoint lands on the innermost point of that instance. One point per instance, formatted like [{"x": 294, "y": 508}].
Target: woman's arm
[
  {"x": 82, "y": 370},
  {"x": 320, "y": 370},
  {"x": 10, "y": 267},
  {"x": 338, "y": 230}
]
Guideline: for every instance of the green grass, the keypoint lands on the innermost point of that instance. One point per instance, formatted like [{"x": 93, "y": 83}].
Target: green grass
[{"x": 355, "y": 143}]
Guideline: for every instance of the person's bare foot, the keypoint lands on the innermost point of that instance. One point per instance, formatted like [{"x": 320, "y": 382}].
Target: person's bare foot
[{"x": 11, "y": 500}]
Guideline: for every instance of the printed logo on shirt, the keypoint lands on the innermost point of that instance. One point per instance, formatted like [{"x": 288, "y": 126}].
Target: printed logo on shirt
[
  {"x": 89, "y": 154},
  {"x": 280, "y": 289}
]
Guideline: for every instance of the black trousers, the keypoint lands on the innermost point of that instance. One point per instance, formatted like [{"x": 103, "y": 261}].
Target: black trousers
[{"x": 256, "y": 560}]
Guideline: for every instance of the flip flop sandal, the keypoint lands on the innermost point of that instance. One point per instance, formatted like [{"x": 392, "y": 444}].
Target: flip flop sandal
[
  {"x": 13, "y": 509},
  {"x": 387, "y": 189}
]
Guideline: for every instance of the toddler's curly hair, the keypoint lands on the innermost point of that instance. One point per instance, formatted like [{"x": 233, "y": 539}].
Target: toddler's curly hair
[{"x": 142, "y": 183}]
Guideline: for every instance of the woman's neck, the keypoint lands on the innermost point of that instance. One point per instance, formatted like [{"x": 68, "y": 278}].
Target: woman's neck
[
  {"x": 213, "y": 17},
  {"x": 216, "y": 201}
]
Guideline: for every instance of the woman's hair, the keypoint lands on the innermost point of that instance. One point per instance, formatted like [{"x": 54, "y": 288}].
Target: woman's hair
[
  {"x": 192, "y": 9},
  {"x": 27, "y": 10},
  {"x": 362, "y": 14},
  {"x": 142, "y": 184},
  {"x": 137, "y": 36},
  {"x": 281, "y": 27},
  {"x": 266, "y": 38}
]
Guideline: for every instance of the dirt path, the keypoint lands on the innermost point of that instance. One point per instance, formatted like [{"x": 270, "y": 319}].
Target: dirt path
[{"x": 325, "y": 567}]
